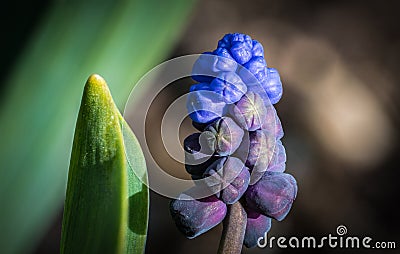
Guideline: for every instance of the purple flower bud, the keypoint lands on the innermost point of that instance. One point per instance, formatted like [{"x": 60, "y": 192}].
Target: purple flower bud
[
  {"x": 278, "y": 161},
  {"x": 273, "y": 85},
  {"x": 197, "y": 155},
  {"x": 272, "y": 124},
  {"x": 261, "y": 148},
  {"x": 279, "y": 168},
  {"x": 272, "y": 195},
  {"x": 258, "y": 49},
  {"x": 256, "y": 227},
  {"x": 278, "y": 128},
  {"x": 250, "y": 111},
  {"x": 228, "y": 178},
  {"x": 223, "y": 136},
  {"x": 195, "y": 217},
  {"x": 205, "y": 106},
  {"x": 230, "y": 86}
]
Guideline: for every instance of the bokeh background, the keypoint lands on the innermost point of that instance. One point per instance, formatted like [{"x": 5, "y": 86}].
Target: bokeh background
[{"x": 339, "y": 64}]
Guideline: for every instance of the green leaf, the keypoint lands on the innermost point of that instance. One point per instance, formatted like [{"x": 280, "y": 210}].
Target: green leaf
[
  {"x": 106, "y": 206},
  {"x": 122, "y": 40},
  {"x": 138, "y": 192}
]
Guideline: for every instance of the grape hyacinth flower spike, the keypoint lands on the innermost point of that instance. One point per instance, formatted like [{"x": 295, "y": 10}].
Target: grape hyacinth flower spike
[{"x": 238, "y": 155}]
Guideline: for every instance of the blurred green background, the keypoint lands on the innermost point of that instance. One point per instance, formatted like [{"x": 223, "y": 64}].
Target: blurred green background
[{"x": 338, "y": 61}]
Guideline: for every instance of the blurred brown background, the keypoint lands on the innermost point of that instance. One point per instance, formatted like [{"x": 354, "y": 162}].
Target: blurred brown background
[{"x": 339, "y": 63}]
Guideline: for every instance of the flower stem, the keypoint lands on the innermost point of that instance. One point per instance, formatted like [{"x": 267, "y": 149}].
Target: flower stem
[{"x": 234, "y": 227}]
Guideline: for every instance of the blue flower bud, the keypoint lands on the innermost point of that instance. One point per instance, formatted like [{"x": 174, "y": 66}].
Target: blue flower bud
[
  {"x": 229, "y": 85},
  {"x": 205, "y": 106},
  {"x": 195, "y": 217},
  {"x": 250, "y": 111},
  {"x": 202, "y": 70},
  {"x": 272, "y": 195},
  {"x": 244, "y": 38},
  {"x": 224, "y": 61},
  {"x": 223, "y": 136},
  {"x": 256, "y": 227},
  {"x": 225, "y": 42},
  {"x": 257, "y": 49},
  {"x": 255, "y": 68},
  {"x": 239, "y": 45},
  {"x": 209, "y": 64},
  {"x": 273, "y": 85},
  {"x": 240, "y": 52},
  {"x": 228, "y": 178}
]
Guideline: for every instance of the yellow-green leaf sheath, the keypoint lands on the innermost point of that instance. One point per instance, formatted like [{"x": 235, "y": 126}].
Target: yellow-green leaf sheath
[{"x": 104, "y": 199}]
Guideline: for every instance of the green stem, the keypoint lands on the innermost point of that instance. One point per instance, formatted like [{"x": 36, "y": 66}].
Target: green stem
[{"x": 234, "y": 227}]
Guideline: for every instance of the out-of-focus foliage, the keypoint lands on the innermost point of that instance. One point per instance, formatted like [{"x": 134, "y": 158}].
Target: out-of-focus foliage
[{"x": 119, "y": 39}]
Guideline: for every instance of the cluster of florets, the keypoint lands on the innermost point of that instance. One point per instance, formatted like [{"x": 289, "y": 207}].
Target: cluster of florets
[{"x": 237, "y": 153}]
